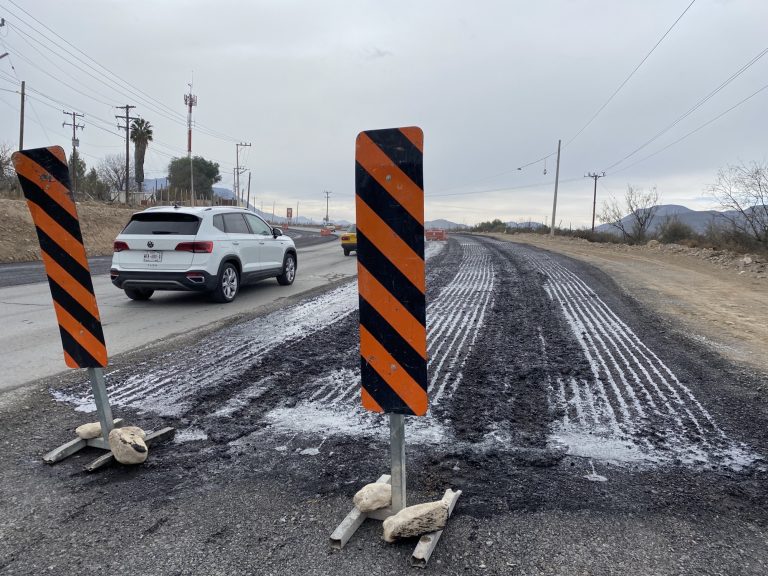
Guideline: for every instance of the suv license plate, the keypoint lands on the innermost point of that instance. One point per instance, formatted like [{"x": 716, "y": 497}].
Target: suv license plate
[{"x": 153, "y": 256}]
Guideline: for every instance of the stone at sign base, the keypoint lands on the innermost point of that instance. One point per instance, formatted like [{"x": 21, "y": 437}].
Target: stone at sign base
[
  {"x": 89, "y": 431},
  {"x": 135, "y": 430},
  {"x": 373, "y": 496},
  {"x": 419, "y": 519},
  {"x": 128, "y": 446}
]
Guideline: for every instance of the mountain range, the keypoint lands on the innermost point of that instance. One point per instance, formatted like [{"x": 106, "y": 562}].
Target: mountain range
[{"x": 698, "y": 220}]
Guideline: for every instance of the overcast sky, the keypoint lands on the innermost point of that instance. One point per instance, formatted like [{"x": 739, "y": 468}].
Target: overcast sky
[{"x": 494, "y": 85}]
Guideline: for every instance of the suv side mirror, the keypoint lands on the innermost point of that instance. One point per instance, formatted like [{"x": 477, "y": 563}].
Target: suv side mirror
[{"x": 277, "y": 232}]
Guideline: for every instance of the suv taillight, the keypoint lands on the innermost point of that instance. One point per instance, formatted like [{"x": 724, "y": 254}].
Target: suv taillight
[
  {"x": 120, "y": 246},
  {"x": 344, "y": 238},
  {"x": 206, "y": 247}
]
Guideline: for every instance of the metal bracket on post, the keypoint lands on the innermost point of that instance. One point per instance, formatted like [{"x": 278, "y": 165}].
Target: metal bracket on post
[
  {"x": 427, "y": 542},
  {"x": 104, "y": 411}
]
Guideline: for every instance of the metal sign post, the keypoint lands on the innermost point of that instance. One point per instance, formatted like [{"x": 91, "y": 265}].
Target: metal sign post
[
  {"x": 389, "y": 199},
  {"x": 103, "y": 408},
  {"x": 397, "y": 450},
  {"x": 45, "y": 181}
]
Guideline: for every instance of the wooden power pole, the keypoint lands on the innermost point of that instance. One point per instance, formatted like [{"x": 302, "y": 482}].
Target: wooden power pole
[
  {"x": 127, "y": 127},
  {"x": 557, "y": 180},
  {"x": 75, "y": 143},
  {"x": 595, "y": 176}
]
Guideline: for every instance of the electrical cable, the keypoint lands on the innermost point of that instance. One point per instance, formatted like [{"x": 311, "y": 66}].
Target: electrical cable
[
  {"x": 505, "y": 189},
  {"x": 691, "y": 110},
  {"x": 636, "y": 68},
  {"x": 171, "y": 114},
  {"x": 692, "y": 132}
]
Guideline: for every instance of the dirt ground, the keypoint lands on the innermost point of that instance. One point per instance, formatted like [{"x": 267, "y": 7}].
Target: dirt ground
[
  {"x": 718, "y": 297},
  {"x": 100, "y": 224}
]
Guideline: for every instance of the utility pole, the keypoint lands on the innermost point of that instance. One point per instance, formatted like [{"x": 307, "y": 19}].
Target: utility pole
[
  {"x": 557, "y": 181},
  {"x": 327, "y": 196},
  {"x": 75, "y": 144},
  {"x": 248, "y": 199},
  {"x": 595, "y": 176},
  {"x": 297, "y": 211},
  {"x": 21, "y": 119},
  {"x": 127, "y": 127},
  {"x": 238, "y": 170},
  {"x": 190, "y": 100}
]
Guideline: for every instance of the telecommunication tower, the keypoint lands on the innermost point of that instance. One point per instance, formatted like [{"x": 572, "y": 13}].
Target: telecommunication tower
[{"x": 190, "y": 100}]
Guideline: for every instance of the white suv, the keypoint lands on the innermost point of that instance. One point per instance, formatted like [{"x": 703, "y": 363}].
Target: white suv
[{"x": 207, "y": 249}]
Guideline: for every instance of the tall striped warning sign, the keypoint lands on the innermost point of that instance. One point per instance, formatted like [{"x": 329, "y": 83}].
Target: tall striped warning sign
[
  {"x": 389, "y": 197},
  {"x": 44, "y": 178},
  {"x": 390, "y": 250}
]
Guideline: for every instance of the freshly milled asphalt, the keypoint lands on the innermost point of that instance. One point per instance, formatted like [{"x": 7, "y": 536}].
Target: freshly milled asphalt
[{"x": 250, "y": 500}]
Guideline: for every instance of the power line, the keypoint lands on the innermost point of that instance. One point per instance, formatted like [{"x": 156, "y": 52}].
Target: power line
[
  {"x": 692, "y": 132},
  {"x": 635, "y": 69},
  {"x": 504, "y": 189},
  {"x": 597, "y": 113},
  {"x": 695, "y": 107},
  {"x": 137, "y": 93}
]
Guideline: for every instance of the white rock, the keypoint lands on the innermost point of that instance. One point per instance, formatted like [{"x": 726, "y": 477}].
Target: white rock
[
  {"x": 127, "y": 446},
  {"x": 747, "y": 260},
  {"x": 373, "y": 496},
  {"x": 88, "y": 431},
  {"x": 135, "y": 430},
  {"x": 419, "y": 519}
]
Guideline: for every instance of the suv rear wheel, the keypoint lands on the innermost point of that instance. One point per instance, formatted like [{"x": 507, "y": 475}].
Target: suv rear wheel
[
  {"x": 289, "y": 270},
  {"x": 139, "y": 293},
  {"x": 227, "y": 284}
]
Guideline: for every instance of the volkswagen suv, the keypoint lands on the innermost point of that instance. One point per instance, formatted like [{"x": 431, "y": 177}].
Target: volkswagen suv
[{"x": 206, "y": 249}]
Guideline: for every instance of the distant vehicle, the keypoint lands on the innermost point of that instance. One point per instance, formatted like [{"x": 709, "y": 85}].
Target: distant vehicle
[
  {"x": 349, "y": 241},
  {"x": 207, "y": 249}
]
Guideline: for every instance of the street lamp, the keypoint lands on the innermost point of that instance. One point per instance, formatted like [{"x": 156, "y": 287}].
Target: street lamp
[{"x": 3, "y": 55}]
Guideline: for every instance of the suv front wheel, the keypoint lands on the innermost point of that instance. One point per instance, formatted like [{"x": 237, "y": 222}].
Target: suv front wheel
[
  {"x": 227, "y": 285},
  {"x": 289, "y": 270}
]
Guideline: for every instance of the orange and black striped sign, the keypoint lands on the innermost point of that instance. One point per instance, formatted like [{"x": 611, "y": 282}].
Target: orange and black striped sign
[
  {"x": 390, "y": 263},
  {"x": 44, "y": 178}
]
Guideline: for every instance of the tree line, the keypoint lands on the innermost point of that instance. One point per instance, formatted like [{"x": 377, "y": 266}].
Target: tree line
[
  {"x": 741, "y": 190},
  {"x": 107, "y": 179}
]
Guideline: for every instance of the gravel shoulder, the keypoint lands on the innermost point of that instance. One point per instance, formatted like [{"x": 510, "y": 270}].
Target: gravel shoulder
[{"x": 714, "y": 298}]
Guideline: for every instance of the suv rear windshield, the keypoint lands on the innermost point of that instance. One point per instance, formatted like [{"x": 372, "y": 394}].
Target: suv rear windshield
[{"x": 163, "y": 223}]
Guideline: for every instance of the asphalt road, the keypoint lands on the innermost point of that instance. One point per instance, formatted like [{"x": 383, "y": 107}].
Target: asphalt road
[
  {"x": 588, "y": 435},
  {"x": 30, "y": 343}
]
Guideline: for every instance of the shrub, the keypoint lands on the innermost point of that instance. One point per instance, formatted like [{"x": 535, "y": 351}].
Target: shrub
[{"x": 673, "y": 231}]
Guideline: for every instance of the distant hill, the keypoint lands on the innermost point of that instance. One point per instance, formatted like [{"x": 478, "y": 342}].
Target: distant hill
[
  {"x": 698, "y": 220},
  {"x": 444, "y": 224}
]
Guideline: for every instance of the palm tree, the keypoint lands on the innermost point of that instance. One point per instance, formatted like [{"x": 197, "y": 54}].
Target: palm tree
[{"x": 141, "y": 136}]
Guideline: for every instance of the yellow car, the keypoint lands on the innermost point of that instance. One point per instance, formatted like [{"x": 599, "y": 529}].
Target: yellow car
[{"x": 349, "y": 241}]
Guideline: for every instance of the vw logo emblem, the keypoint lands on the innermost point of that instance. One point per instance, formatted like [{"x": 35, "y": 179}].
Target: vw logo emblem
[{"x": 150, "y": 244}]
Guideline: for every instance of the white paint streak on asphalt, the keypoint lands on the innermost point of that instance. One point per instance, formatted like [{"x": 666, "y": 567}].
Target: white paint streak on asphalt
[{"x": 640, "y": 390}]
